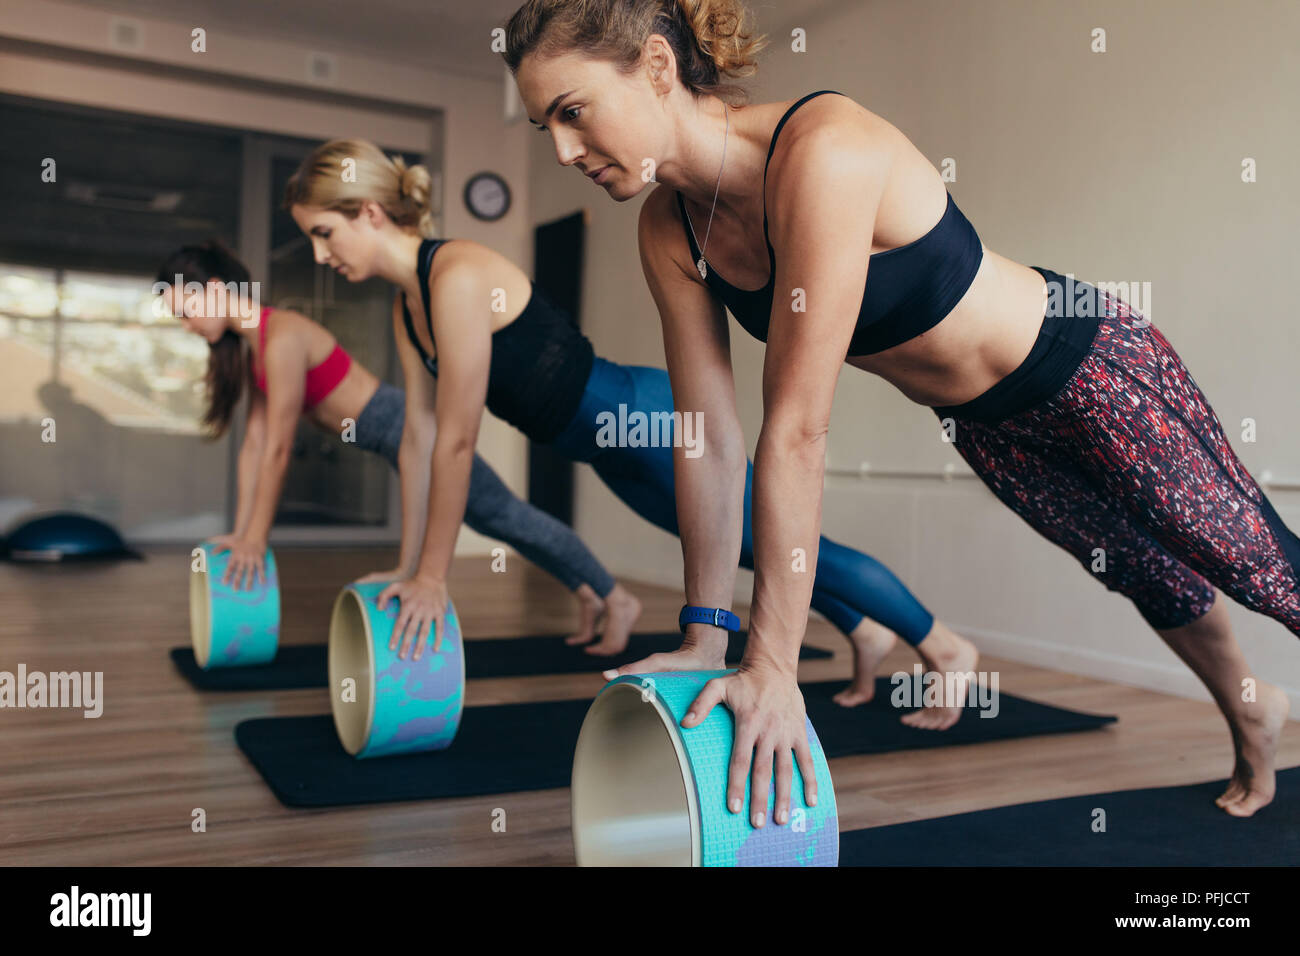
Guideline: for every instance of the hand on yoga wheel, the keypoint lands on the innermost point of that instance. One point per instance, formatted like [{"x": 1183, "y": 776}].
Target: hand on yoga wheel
[
  {"x": 771, "y": 724},
  {"x": 703, "y": 649},
  {"x": 423, "y": 604},
  {"x": 247, "y": 564}
]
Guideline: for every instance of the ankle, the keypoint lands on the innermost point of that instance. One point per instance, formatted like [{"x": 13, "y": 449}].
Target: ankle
[
  {"x": 586, "y": 594},
  {"x": 943, "y": 649},
  {"x": 621, "y": 596}
]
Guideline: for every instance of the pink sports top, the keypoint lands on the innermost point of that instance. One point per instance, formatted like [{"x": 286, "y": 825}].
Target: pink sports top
[{"x": 321, "y": 379}]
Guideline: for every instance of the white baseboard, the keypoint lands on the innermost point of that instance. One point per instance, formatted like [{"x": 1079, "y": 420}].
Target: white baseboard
[{"x": 1177, "y": 680}]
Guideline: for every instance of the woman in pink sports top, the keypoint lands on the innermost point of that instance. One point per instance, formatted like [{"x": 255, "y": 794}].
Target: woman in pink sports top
[{"x": 322, "y": 378}]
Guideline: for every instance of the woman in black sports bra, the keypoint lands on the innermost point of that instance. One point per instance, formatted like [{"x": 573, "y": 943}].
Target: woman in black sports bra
[
  {"x": 490, "y": 339},
  {"x": 839, "y": 244}
]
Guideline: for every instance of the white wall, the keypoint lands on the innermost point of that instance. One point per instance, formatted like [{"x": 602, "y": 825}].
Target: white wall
[
  {"x": 1123, "y": 165},
  {"x": 61, "y": 51}
]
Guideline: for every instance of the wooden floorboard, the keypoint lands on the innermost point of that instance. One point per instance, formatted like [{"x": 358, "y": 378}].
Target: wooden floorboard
[{"x": 121, "y": 789}]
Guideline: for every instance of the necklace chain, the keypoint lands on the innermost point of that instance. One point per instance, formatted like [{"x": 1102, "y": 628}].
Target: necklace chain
[{"x": 700, "y": 263}]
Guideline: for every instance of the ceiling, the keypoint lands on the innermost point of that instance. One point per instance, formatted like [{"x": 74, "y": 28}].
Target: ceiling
[{"x": 431, "y": 33}]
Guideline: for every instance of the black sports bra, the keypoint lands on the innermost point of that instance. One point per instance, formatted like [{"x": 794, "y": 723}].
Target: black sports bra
[
  {"x": 909, "y": 289},
  {"x": 540, "y": 361}
]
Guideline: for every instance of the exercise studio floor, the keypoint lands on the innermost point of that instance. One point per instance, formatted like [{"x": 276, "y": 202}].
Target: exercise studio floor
[{"x": 121, "y": 789}]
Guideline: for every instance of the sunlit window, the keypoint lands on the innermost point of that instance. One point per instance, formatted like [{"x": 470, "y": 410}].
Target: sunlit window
[{"x": 105, "y": 340}]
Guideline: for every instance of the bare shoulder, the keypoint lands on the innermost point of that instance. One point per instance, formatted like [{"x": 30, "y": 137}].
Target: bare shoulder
[
  {"x": 294, "y": 322},
  {"x": 836, "y": 130},
  {"x": 289, "y": 333},
  {"x": 464, "y": 263},
  {"x": 285, "y": 328}
]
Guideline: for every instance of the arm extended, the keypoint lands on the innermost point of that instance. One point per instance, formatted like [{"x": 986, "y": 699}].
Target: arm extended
[{"x": 460, "y": 298}]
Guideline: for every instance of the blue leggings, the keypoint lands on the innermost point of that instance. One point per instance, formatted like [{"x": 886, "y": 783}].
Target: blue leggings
[
  {"x": 848, "y": 586},
  {"x": 491, "y": 509}
]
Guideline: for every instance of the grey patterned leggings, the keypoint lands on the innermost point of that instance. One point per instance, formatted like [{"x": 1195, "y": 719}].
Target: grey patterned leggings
[{"x": 492, "y": 509}]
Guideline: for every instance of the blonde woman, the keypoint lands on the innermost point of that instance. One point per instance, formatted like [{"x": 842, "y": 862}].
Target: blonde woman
[
  {"x": 1081, "y": 419},
  {"x": 297, "y": 370},
  {"x": 487, "y": 338}
]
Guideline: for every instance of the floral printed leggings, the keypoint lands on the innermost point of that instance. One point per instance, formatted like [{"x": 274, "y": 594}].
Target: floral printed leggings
[{"x": 1129, "y": 458}]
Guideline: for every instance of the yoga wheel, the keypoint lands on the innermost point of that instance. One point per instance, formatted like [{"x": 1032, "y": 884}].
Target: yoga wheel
[
  {"x": 648, "y": 792},
  {"x": 384, "y": 705},
  {"x": 229, "y": 627}
]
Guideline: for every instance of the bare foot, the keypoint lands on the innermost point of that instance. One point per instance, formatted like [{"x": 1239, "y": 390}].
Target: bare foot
[
  {"x": 622, "y": 609},
  {"x": 870, "y": 642},
  {"x": 590, "y": 608},
  {"x": 1255, "y": 739},
  {"x": 954, "y": 658}
]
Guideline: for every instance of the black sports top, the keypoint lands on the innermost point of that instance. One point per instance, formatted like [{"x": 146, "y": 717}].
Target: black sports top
[
  {"x": 540, "y": 361},
  {"x": 909, "y": 289}
]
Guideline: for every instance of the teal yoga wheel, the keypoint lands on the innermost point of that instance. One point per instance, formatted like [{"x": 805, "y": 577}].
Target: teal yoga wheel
[
  {"x": 229, "y": 627},
  {"x": 648, "y": 792},
  {"x": 384, "y": 705}
]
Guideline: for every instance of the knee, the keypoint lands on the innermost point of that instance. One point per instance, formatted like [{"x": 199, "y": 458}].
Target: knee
[
  {"x": 1167, "y": 593},
  {"x": 1167, "y": 608}
]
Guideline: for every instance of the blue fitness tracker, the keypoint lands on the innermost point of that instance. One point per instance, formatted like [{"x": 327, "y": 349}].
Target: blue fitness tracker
[{"x": 691, "y": 614}]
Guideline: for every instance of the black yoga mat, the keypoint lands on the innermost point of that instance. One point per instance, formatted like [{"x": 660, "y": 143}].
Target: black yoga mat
[
  {"x": 1162, "y": 826},
  {"x": 513, "y": 747},
  {"x": 305, "y": 665},
  {"x": 294, "y": 667}
]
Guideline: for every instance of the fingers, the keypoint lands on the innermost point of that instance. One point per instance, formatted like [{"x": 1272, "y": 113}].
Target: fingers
[
  {"x": 407, "y": 627},
  {"x": 682, "y": 660},
  {"x": 742, "y": 754},
  {"x": 644, "y": 666},
  {"x": 759, "y": 782},
  {"x": 236, "y": 573},
  {"x": 807, "y": 770},
  {"x": 710, "y": 695},
  {"x": 784, "y": 782},
  {"x": 423, "y": 625},
  {"x": 398, "y": 627},
  {"x": 399, "y": 640},
  {"x": 419, "y": 621}
]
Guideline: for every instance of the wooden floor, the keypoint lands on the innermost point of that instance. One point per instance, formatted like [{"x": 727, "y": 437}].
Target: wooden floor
[{"x": 121, "y": 789}]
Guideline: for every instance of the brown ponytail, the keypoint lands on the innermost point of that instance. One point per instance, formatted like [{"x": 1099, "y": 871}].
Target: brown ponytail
[
  {"x": 229, "y": 367},
  {"x": 711, "y": 39}
]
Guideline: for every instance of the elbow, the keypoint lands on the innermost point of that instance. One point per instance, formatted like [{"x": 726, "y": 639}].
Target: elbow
[
  {"x": 277, "y": 453},
  {"x": 797, "y": 437},
  {"x": 723, "y": 447},
  {"x": 734, "y": 457},
  {"x": 726, "y": 453},
  {"x": 454, "y": 445}
]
